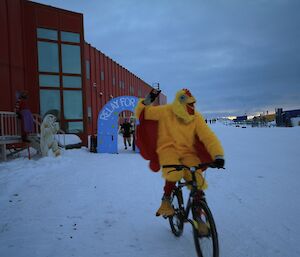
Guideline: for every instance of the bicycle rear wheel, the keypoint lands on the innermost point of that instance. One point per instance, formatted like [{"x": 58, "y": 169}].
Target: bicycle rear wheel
[
  {"x": 177, "y": 220},
  {"x": 206, "y": 243}
]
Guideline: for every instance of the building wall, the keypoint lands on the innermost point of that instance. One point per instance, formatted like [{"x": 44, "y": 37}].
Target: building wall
[
  {"x": 12, "y": 59},
  {"x": 20, "y": 69},
  {"x": 18, "y": 47},
  {"x": 106, "y": 79}
]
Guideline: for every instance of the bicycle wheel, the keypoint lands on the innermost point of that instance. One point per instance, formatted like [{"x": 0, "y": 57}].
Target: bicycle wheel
[
  {"x": 206, "y": 243},
  {"x": 177, "y": 220}
]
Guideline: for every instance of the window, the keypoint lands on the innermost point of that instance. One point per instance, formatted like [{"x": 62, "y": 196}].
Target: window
[
  {"x": 89, "y": 112},
  {"x": 71, "y": 59},
  {"x": 71, "y": 82},
  {"x": 131, "y": 90},
  {"x": 60, "y": 76},
  {"x": 70, "y": 37},
  {"x": 73, "y": 104},
  {"x": 87, "y": 69},
  {"x": 49, "y": 100},
  {"x": 114, "y": 81},
  {"x": 48, "y": 57},
  {"x": 102, "y": 75},
  {"x": 75, "y": 127},
  {"x": 49, "y": 80},
  {"x": 47, "y": 34}
]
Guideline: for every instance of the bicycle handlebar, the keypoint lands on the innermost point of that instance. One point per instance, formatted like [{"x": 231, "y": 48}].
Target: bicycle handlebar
[{"x": 199, "y": 166}]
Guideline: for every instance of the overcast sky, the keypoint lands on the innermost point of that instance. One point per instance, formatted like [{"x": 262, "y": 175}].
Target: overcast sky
[{"x": 236, "y": 56}]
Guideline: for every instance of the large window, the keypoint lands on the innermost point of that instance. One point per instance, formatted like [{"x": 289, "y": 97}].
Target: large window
[
  {"x": 71, "y": 81},
  {"x": 87, "y": 69},
  {"x": 73, "y": 104},
  {"x": 70, "y": 37},
  {"x": 50, "y": 100},
  {"x": 60, "y": 77},
  {"x": 47, "y": 34},
  {"x": 49, "y": 80},
  {"x": 48, "y": 57},
  {"x": 71, "y": 61},
  {"x": 75, "y": 127}
]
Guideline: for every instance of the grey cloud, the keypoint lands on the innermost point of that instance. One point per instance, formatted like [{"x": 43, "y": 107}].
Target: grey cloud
[{"x": 235, "y": 56}]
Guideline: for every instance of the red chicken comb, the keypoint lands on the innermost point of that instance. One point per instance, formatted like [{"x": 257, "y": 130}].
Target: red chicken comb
[{"x": 187, "y": 92}]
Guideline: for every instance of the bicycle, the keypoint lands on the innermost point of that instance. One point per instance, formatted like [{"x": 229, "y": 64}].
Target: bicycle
[{"x": 206, "y": 244}]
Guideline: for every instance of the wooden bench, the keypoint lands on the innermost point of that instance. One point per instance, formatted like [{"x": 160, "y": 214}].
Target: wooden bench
[
  {"x": 17, "y": 147},
  {"x": 5, "y": 142},
  {"x": 10, "y": 131}
]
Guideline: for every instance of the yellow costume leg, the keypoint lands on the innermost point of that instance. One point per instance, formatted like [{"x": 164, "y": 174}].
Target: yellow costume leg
[
  {"x": 193, "y": 160},
  {"x": 168, "y": 157}
]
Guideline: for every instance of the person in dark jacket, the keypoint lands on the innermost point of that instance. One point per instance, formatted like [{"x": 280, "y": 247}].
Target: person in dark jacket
[
  {"x": 23, "y": 112},
  {"x": 126, "y": 131}
]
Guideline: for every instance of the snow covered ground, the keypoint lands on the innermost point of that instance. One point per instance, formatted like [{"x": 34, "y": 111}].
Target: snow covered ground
[{"x": 87, "y": 205}]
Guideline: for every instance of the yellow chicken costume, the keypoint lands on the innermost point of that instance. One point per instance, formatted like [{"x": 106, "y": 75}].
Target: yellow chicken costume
[{"x": 180, "y": 128}]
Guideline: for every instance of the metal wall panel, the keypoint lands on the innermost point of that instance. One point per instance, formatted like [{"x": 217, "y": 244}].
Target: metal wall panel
[
  {"x": 98, "y": 88},
  {"x": 117, "y": 79},
  {"x": 114, "y": 70},
  {"x": 5, "y": 96},
  {"x": 120, "y": 83},
  {"x": 127, "y": 83},
  {"x": 12, "y": 52},
  {"x": 106, "y": 87},
  {"x": 102, "y": 83},
  {"x": 17, "y": 82},
  {"x": 31, "y": 56},
  {"x": 93, "y": 89},
  {"x": 87, "y": 87},
  {"x": 70, "y": 21},
  {"x": 109, "y": 79},
  {"x": 45, "y": 17},
  {"x": 123, "y": 80}
]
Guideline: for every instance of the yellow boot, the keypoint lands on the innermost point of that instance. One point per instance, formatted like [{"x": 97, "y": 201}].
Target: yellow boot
[
  {"x": 202, "y": 227},
  {"x": 165, "y": 208}
]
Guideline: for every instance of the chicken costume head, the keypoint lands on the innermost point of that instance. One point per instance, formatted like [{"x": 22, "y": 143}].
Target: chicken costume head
[{"x": 183, "y": 105}]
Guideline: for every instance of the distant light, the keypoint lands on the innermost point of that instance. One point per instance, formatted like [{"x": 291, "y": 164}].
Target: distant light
[{"x": 231, "y": 117}]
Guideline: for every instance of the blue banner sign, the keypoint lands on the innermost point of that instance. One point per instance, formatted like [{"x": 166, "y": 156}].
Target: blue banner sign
[{"x": 108, "y": 117}]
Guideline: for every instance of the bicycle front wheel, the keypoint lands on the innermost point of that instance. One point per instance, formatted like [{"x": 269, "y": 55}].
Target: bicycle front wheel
[
  {"x": 177, "y": 220},
  {"x": 205, "y": 232}
]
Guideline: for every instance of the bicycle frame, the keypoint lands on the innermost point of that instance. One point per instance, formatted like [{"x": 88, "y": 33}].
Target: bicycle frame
[
  {"x": 192, "y": 193},
  {"x": 182, "y": 212}
]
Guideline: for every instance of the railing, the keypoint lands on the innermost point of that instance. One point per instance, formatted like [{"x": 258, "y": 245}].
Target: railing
[
  {"x": 9, "y": 126},
  {"x": 10, "y": 132},
  {"x": 37, "y": 121}
]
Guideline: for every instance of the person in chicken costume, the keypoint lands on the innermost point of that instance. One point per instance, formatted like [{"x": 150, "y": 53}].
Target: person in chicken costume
[{"x": 175, "y": 134}]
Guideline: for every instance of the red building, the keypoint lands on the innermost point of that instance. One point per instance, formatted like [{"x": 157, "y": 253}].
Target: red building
[{"x": 43, "y": 51}]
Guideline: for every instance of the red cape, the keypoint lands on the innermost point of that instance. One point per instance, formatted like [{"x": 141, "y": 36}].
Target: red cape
[{"x": 146, "y": 141}]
